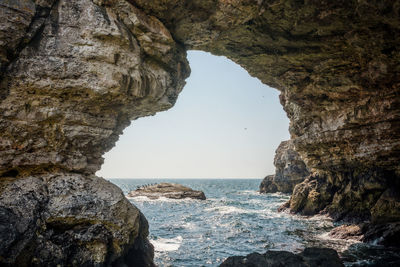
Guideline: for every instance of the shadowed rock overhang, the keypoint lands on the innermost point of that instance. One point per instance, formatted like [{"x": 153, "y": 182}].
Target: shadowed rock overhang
[{"x": 75, "y": 73}]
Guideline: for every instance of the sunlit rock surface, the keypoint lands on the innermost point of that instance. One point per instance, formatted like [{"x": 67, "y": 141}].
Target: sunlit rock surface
[
  {"x": 290, "y": 170},
  {"x": 75, "y": 73},
  {"x": 167, "y": 190}
]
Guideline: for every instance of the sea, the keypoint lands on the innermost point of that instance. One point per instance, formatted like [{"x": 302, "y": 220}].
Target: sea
[{"x": 237, "y": 220}]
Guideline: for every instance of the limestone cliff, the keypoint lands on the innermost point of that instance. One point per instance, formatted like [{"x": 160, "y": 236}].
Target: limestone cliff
[
  {"x": 290, "y": 170},
  {"x": 75, "y": 73}
]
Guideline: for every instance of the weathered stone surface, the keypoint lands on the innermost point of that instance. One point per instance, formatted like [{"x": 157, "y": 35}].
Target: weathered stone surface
[
  {"x": 267, "y": 185},
  {"x": 310, "y": 257},
  {"x": 83, "y": 78},
  {"x": 73, "y": 76},
  {"x": 310, "y": 196},
  {"x": 351, "y": 232},
  {"x": 168, "y": 190},
  {"x": 71, "y": 220},
  {"x": 290, "y": 170}
]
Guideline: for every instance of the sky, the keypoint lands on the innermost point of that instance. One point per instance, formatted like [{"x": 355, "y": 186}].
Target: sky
[{"x": 225, "y": 124}]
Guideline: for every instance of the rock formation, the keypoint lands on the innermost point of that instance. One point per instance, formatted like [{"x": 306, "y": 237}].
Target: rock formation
[
  {"x": 168, "y": 190},
  {"x": 309, "y": 257},
  {"x": 73, "y": 74},
  {"x": 290, "y": 170},
  {"x": 70, "y": 220}
]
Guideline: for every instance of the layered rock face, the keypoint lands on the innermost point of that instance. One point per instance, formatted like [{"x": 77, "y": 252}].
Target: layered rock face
[
  {"x": 73, "y": 76},
  {"x": 290, "y": 170},
  {"x": 336, "y": 64}
]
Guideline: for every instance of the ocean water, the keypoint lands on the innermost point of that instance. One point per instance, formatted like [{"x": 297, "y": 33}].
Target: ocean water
[{"x": 236, "y": 220}]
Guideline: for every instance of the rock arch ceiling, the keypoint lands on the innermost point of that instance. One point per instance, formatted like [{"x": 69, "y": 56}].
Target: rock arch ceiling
[{"x": 75, "y": 73}]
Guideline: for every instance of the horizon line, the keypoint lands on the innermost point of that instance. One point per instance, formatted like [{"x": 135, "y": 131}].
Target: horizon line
[{"x": 160, "y": 178}]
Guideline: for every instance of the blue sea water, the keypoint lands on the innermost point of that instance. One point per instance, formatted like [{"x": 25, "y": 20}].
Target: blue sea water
[{"x": 235, "y": 220}]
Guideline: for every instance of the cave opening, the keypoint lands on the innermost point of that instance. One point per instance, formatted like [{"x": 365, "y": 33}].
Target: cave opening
[
  {"x": 222, "y": 131},
  {"x": 225, "y": 124}
]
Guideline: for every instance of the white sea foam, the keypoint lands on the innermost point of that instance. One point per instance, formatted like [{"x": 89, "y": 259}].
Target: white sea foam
[
  {"x": 231, "y": 209},
  {"x": 336, "y": 243},
  {"x": 140, "y": 198},
  {"x": 164, "y": 244},
  {"x": 248, "y": 192}
]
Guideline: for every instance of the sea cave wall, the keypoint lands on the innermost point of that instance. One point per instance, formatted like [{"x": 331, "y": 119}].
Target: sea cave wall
[
  {"x": 336, "y": 64},
  {"x": 75, "y": 73}
]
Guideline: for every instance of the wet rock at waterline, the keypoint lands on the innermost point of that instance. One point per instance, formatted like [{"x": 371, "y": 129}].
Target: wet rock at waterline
[
  {"x": 386, "y": 234},
  {"x": 70, "y": 220},
  {"x": 310, "y": 257},
  {"x": 167, "y": 190},
  {"x": 290, "y": 170},
  {"x": 349, "y": 232}
]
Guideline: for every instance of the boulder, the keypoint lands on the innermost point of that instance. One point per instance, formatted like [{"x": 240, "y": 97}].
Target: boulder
[
  {"x": 310, "y": 257},
  {"x": 70, "y": 220},
  {"x": 348, "y": 232},
  {"x": 168, "y": 190}
]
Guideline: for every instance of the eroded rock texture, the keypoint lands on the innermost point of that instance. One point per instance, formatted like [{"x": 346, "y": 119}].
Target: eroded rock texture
[
  {"x": 74, "y": 74},
  {"x": 337, "y": 66},
  {"x": 290, "y": 170},
  {"x": 70, "y": 220}
]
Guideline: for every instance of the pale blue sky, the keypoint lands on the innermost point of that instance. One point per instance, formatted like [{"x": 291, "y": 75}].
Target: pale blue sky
[{"x": 225, "y": 124}]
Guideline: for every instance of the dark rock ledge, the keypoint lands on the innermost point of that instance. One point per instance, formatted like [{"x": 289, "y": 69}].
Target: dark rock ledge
[
  {"x": 310, "y": 257},
  {"x": 168, "y": 190}
]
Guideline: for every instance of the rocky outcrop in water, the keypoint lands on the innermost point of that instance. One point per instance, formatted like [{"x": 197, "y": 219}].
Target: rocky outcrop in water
[
  {"x": 75, "y": 73},
  {"x": 290, "y": 170},
  {"x": 168, "y": 190},
  {"x": 310, "y": 257}
]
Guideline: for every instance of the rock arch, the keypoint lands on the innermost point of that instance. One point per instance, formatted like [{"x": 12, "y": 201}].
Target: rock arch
[{"x": 75, "y": 73}]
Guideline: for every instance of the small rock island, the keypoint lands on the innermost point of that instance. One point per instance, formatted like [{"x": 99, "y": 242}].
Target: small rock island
[{"x": 168, "y": 190}]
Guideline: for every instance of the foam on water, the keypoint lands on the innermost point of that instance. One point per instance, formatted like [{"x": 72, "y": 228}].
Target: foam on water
[
  {"x": 234, "y": 220},
  {"x": 166, "y": 245}
]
